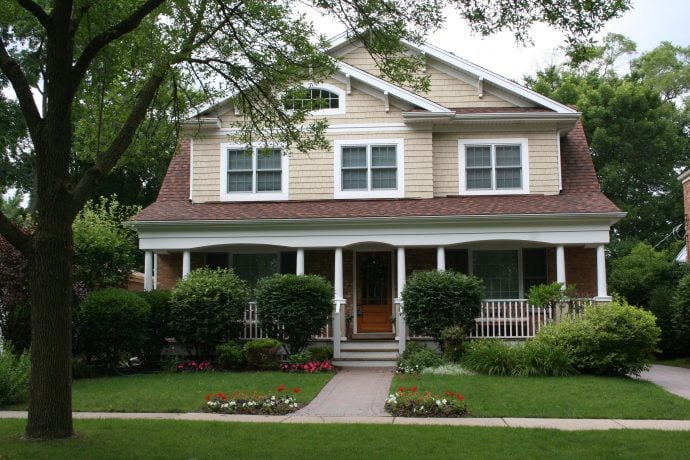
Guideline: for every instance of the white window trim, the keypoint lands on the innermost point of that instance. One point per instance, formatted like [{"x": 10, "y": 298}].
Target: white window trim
[
  {"x": 524, "y": 158},
  {"x": 398, "y": 192},
  {"x": 333, "y": 89},
  {"x": 253, "y": 195}
]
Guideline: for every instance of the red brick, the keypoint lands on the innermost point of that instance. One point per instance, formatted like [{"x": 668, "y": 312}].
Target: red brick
[{"x": 169, "y": 268}]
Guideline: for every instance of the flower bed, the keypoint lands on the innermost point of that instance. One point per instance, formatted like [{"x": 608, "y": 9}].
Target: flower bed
[
  {"x": 309, "y": 367},
  {"x": 414, "y": 403},
  {"x": 193, "y": 366},
  {"x": 254, "y": 403}
]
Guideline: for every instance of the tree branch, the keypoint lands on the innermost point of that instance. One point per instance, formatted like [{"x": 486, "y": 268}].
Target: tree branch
[
  {"x": 23, "y": 91},
  {"x": 38, "y": 12},
  {"x": 100, "y": 41},
  {"x": 107, "y": 160},
  {"x": 16, "y": 237}
]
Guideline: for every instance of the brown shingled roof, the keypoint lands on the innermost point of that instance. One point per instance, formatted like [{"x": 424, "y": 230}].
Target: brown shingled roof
[{"x": 581, "y": 194}]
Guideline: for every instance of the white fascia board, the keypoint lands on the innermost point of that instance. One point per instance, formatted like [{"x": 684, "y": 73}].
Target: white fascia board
[
  {"x": 507, "y": 116},
  {"x": 201, "y": 123},
  {"x": 392, "y": 90},
  {"x": 683, "y": 178},
  {"x": 347, "y": 234},
  {"x": 491, "y": 77}
]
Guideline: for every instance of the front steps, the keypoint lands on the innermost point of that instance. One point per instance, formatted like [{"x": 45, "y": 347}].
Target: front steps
[{"x": 367, "y": 353}]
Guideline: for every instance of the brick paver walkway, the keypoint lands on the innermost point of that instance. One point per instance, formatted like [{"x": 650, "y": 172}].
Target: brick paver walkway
[{"x": 352, "y": 392}]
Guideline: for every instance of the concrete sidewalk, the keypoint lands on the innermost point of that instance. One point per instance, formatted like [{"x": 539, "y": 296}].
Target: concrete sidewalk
[{"x": 549, "y": 423}]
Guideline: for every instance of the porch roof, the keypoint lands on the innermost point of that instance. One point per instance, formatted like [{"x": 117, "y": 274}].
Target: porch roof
[{"x": 581, "y": 195}]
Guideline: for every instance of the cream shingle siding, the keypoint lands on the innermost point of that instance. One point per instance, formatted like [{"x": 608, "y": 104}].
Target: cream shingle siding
[
  {"x": 543, "y": 158},
  {"x": 206, "y": 169},
  {"x": 311, "y": 175},
  {"x": 444, "y": 88}
]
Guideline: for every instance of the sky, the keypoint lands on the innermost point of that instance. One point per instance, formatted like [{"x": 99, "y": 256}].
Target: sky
[{"x": 648, "y": 23}]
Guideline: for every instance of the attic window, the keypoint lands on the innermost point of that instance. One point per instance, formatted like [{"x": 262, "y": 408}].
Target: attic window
[
  {"x": 493, "y": 166},
  {"x": 323, "y": 99}
]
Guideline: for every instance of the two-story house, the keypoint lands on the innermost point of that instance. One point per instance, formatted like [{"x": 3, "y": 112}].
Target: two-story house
[{"x": 478, "y": 175}]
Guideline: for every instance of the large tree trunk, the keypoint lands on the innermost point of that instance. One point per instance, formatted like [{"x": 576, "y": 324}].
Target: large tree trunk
[{"x": 50, "y": 401}]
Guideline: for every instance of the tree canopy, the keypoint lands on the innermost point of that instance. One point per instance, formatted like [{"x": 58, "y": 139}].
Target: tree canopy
[
  {"x": 637, "y": 124},
  {"x": 102, "y": 69}
]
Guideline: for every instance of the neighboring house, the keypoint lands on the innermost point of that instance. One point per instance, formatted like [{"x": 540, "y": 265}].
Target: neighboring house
[
  {"x": 479, "y": 175},
  {"x": 684, "y": 178}
]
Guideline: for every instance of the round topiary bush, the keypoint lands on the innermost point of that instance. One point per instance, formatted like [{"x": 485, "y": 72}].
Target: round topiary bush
[
  {"x": 611, "y": 339},
  {"x": 293, "y": 308},
  {"x": 207, "y": 309},
  {"x": 436, "y": 300},
  {"x": 111, "y": 324}
]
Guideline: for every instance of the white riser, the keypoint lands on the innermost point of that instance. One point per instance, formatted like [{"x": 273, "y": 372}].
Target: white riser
[
  {"x": 369, "y": 345},
  {"x": 341, "y": 363},
  {"x": 381, "y": 355}
]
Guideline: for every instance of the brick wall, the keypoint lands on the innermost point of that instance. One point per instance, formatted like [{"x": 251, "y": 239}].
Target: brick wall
[
  {"x": 581, "y": 270},
  {"x": 169, "y": 269}
]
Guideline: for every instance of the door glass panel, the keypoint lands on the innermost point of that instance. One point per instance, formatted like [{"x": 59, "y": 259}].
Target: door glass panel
[{"x": 373, "y": 280}]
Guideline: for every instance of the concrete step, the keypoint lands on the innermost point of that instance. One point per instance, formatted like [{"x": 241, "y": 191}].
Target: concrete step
[
  {"x": 357, "y": 345},
  {"x": 363, "y": 363},
  {"x": 369, "y": 354}
]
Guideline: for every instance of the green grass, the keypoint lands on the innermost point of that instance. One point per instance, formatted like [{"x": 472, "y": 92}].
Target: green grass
[
  {"x": 182, "y": 392},
  {"x": 562, "y": 397},
  {"x": 677, "y": 362},
  {"x": 116, "y": 439}
]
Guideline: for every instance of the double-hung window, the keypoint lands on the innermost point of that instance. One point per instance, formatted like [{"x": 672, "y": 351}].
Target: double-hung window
[
  {"x": 369, "y": 169},
  {"x": 257, "y": 173},
  {"x": 493, "y": 166}
]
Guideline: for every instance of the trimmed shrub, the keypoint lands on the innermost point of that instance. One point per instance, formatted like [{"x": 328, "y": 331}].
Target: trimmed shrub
[
  {"x": 111, "y": 324},
  {"x": 263, "y": 353},
  {"x": 681, "y": 317},
  {"x": 613, "y": 339},
  {"x": 14, "y": 375},
  {"x": 416, "y": 358},
  {"x": 207, "y": 309},
  {"x": 157, "y": 325},
  {"x": 454, "y": 338},
  {"x": 436, "y": 300},
  {"x": 293, "y": 308},
  {"x": 490, "y": 356},
  {"x": 231, "y": 355},
  {"x": 321, "y": 353}
]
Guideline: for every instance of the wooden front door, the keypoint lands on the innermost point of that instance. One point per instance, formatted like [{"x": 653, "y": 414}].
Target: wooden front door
[{"x": 374, "y": 302}]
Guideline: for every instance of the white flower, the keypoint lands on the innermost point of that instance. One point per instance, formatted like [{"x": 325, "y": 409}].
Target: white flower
[
  {"x": 445, "y": 401},
  {"x": 438, "y": 402}
]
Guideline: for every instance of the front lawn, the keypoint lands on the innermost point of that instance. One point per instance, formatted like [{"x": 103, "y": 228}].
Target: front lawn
[
  {"x": 165, "y": 439},
  {"x": 183, "y": 392},
  {"x": 557, "y": 397}
]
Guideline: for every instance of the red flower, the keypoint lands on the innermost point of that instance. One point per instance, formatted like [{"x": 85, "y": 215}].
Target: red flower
[
  {"x": 449, "y": 393},
  {"x": 280, "y": 388},
  {"x": 296, "y": 390},
  {"x": 460, "y": 398},
  {"x": 414, "y": 388},
  {"x": 208, "y": 397},
  {"x": 401, "y": 390}
]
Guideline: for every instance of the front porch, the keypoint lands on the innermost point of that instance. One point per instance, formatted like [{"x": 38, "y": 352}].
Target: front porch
[{"x": 368, "y": 280}]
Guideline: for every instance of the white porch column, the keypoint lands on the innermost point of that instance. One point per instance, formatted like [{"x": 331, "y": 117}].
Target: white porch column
[
  {"x": 402, "y": 327},
  {"x": 602, "y": 295},
  {"x": 186, "y": 264},
  {"x": 440, "y": 258},
  {"x": 560, "y": 264},
  {"x": 338, "y": 301},
  {"x": 148, "y": 270},
  {"x": 300, "y": 262}
]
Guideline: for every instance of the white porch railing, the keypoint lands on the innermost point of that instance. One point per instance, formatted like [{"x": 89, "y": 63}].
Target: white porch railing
[
  {"x": 251, "y": 329},
  {"x": 515, "y": 319},
  {"x": 502, "y": 319}
]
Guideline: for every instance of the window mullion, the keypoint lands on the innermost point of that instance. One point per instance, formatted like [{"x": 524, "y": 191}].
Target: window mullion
[
  {"x": 255, "y": 165},
  {"x": 370, "y": 177},
  {"x": 494, "y": 179}
]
